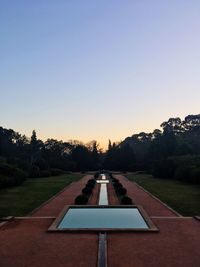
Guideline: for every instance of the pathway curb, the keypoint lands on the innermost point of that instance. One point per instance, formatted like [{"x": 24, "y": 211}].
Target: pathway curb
[
  {"x": 50, "y": 199},
  {"x": 156, "y": 198}
]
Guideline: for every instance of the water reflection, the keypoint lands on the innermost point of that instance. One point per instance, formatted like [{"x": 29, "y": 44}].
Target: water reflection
[{"x": 103, "y": 218}]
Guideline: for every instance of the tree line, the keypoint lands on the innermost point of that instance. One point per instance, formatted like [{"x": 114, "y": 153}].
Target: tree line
[
  {"x": 171, "y": 152},
  {"x": 22, "y": 157}
]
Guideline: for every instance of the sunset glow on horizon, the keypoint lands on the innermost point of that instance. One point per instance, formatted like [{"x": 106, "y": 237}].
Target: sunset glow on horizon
[{"x": 98, "y": 70}]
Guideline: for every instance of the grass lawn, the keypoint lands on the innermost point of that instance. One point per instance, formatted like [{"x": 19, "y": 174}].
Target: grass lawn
[
  {"x": 182, "y": 197},
  {"x": 20, "y": 200}
]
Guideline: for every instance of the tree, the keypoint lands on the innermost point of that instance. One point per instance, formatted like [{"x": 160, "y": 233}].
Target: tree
[
  {"x": 173, "y": 125},
  {"x": 36, "y": 146},
  {"x": 82, "y": 157},
  {"x": 33, "y": 139},
  {"x": 109, "y": 145}
]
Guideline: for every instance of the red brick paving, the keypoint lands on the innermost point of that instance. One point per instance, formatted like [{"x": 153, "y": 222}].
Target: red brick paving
[
  {"x": 26, "y": 242},
  {"x": 95, "y": 195},
  {"x": 177, "y": 244},
  {"x": 112, "y": 198}
]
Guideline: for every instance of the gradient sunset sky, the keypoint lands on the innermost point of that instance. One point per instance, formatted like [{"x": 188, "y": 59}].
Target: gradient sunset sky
[{"x": 97, "y": 69}]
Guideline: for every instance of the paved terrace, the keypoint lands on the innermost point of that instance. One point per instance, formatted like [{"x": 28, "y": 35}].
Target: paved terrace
[{"x": 25, "y": 242}]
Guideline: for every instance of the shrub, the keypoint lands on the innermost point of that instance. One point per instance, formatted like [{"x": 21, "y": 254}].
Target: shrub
[
  {"x": 126, "y": 201},
  {"x": 91, "y": 182},
  {"x": 2, "y": 160},
  {"x": 81, "y": 200},
  {"x": 121, "y": 191},
  {"x": 188, "y": 173},
  {"x": 34, "y": 172},
  {"x": 117, "y": 185},
  {"x": 195, "y": 175},
  {"x": 96, "y": 175},
  {"x": 10, "y": 170},
  {"x": 141, "y": 172},
  {"x": 90, "y": 186},
  {"x": 45, "y": 173},
  {"x": 183, "y": 173},
  {"x": 41, "y": 163},
  {"x": 87, "y": 191},
  {"x": 55, "y": 172},
  {"x": 19, "y": 174},
  {"x": 164, "y": 169},
  {"x": 11, "y": 176},
  {"x": 6, "y": 181},
  {"x": 110, "y": 175}
]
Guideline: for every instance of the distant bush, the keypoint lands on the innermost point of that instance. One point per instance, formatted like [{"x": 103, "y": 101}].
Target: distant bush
[
  {"x": 184, "y": 168},
  {"x": 182, "y": 173},
  {"x": 10, "y": 170},
  {"x": 195, "y": 175},
  {"x": 11, "y": 176},
  {"x": 110, "y": 175},
  {"x": 126, "y": 201},
  {"x": 135, "y": 167},
  {"x": 96, "y": 175},
  {"x": 55, "y": 172},
  {"x": 164, "y": 169},
  {"x": 81, "y": 200},
  {"x": 34, "y": 171},
  {"x": 188, "y": 173},
  {"x": 141, "y": 172},
  {"x": 6, "y": 181},
  {"x": 45, "y": 173},
  {"x": 2, "y": 160},
  {"x": 115, "y": 180},
  {"x": 9, "y": 181}
]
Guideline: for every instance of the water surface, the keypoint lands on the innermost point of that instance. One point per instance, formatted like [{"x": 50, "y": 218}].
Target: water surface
[{"x": 103, "y": 218}]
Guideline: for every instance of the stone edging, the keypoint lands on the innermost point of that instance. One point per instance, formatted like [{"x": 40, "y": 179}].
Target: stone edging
[
  {"x": 164, "y": 204},
  {"x": 47, "y": 201},
  {"x": 50, "y": 199},
  {"x": 197, "y": 218},
  {"x": 3, "y": 223}
]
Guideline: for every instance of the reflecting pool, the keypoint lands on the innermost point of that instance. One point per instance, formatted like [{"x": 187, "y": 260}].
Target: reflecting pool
[{"x": 103, "y": 217}]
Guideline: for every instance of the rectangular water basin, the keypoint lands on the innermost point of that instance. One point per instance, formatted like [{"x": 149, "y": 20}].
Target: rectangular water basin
[{"x": 103, "y": 218}]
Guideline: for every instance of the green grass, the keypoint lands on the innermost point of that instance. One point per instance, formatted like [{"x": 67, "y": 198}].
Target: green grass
[
  {"x": 20, "y": 200},
  {"x": 182, "y": 197}
]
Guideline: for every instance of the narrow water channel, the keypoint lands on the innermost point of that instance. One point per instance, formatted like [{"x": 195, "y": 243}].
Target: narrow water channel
[
  {"x": 103, "y": 197},
  {"x": 103, "y": 200}
]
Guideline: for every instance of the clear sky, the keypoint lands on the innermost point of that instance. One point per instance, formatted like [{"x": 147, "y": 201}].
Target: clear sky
[{"x": 97, "y": 69}]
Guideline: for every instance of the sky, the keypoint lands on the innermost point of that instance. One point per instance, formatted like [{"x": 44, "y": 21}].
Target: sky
[{"x": 97, "y": 69}]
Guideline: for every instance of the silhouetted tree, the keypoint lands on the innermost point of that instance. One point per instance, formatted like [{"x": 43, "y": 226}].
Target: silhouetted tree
[{"x": 172, "y": 151}]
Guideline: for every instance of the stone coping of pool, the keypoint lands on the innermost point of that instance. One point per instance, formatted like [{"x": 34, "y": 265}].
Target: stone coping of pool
[
  {"x": 102, "y": 181},
  {"x": 151, "y": 226}
]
